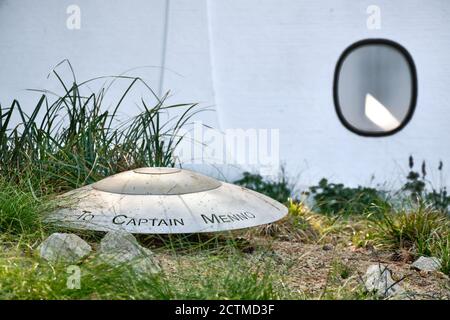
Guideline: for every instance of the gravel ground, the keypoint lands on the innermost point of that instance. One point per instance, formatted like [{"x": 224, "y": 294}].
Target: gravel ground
[{"x": 310, "y": 270}]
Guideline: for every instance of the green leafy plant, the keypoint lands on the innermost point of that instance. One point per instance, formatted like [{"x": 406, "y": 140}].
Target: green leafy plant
[
  {"x": 280, "y": 189},
  {"x": 335, "y": 198},
  {"x": 416, "y": 185}
]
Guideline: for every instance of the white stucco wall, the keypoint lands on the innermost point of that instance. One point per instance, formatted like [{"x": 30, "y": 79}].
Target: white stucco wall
[
  {"x": 114, "y": 37},
  {"x": 276, "y": 62},
  {"x": 261, "y": 63}
]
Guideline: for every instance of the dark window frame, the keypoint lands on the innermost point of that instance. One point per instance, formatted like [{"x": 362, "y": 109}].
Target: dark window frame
[{"x": 414, "y": 89}]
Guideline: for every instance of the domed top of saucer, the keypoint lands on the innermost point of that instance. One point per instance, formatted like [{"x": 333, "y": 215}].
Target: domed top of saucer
[{"x": 156, "y": 181}]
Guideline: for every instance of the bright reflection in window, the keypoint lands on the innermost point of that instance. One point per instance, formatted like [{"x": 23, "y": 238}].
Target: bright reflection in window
[{"x": 379, "y": 114}]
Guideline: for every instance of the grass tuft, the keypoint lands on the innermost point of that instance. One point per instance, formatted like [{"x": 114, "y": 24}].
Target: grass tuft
[
  {"x": 417, "y": 229},
  {"x": 422, "y": 231},
  {"x": 71, "y": 139},
  {"x": 199, "y": 277},
  {"x": 20, "y": 211}
]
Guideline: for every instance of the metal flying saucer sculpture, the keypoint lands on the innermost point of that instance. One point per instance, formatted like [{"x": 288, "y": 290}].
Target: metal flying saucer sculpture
[{"x": 164, "y": 200}]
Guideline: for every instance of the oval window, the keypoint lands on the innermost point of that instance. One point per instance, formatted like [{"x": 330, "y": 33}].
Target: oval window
[{"x": 375, "y": 87}]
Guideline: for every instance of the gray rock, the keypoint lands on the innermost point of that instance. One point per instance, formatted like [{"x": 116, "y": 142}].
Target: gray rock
[
  {"x": 145, "y": 265},
  {"x": 121, "y": 248},
  {"x": 427, "y": 264},
  {"x": 378, "y": 279},
  {"x": 64, "y": 247},
  {"x": 327, "y": 247},
  {"x": 118, "y": 241}
]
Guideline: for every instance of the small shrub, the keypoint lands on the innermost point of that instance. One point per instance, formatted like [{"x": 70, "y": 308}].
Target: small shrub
[
  {"x": 280, "y": 190},
  {"x": 416, "y": 229},
  {"x": 335, "y": 198},
  {"x": 416, "y": 185}
]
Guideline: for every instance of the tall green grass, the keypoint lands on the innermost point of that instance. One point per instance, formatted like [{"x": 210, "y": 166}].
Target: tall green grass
[
  {"x": 21, "y": 212},
  {"x": 199, "y": 277},
  {"x": 414, "y": 229},
  {"x": 423, "y": 230},
  {"x": 71, "y": 138}
]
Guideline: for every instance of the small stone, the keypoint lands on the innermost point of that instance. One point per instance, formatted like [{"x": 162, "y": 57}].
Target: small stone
[
  {"x": 426, "y": 264},
  {"x": 327, "y": 247},
  {"x": 120, "y": 241},
  {"x": 145, "y": 266},
  {"x": 64, "y": 247},
  {"x": 378, "y": 279},
  {"x": 121, "y": 248}
]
